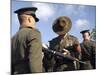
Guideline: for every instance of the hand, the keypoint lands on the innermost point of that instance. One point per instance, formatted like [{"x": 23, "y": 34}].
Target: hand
[{"x": 66, "y": 52}]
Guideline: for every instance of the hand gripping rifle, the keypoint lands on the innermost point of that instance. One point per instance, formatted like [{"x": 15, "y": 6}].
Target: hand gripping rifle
[{"x": 45, "y": 48}]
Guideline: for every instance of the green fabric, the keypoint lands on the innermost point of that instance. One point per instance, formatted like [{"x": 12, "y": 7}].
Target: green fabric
[{"x": 27, "y": 51}]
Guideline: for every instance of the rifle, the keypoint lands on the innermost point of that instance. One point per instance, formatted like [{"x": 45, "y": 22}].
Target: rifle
[{"x": 45, "y": 48}]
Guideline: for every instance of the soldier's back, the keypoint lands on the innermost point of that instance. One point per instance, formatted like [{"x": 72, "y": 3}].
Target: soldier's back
[{"x": 20, "y": 48}]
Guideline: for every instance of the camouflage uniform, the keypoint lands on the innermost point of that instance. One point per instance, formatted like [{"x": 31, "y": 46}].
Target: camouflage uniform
[
  {"x": 56, "y": 63},
  {"x": 88, "y": 55},
  {"x": 69, "y": 43}
]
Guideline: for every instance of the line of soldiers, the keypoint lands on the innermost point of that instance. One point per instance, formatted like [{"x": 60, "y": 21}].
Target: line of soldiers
[{"x": 26, "y": 46}]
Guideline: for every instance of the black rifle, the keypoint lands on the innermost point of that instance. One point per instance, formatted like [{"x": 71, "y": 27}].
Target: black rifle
[{"x": 62, "y": 55}]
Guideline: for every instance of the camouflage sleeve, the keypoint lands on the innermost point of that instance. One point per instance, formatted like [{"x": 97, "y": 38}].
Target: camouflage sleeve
[
  {"x": 35, "y": 51},
  {"x": 77, "y": 45},
  {"x": 93, "y": 61},
  {"x": 93, "y": 45},
  {"x": 77, "y": 48}
]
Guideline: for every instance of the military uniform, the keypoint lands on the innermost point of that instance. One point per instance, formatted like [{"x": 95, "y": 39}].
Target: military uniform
[
  {"x": 56, "y": 63},
  {"x": 88, "y": 55},
  {"x": 26, "y": 48},
  {"x": 69, "y": 43},
  {"x": 27, "y": 51}
]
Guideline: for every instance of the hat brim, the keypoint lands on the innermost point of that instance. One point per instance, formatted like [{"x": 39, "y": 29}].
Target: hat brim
[
  {"x": 84, "y": 31},
  {"x": 36, "y": 19},
  {"x": 64, "y": 28}
]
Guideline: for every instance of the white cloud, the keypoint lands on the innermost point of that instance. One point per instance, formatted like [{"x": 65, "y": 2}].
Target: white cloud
[
  {"x": 82, "y": 22},
  {"x": 45, "y": 11},
  {"x": 70, "y": 9},
  {"x": 75, "y": 9},
  {"x": 81, "y": 7}
]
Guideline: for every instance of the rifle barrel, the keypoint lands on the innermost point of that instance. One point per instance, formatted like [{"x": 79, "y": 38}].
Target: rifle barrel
[{"x": 64, "y": 56}]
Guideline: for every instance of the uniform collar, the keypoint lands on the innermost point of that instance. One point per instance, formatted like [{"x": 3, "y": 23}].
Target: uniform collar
[
  {"x": 64, "y": 36},
  {"x": 25, "y": 27},
  {"x": 29, "y": 27}
]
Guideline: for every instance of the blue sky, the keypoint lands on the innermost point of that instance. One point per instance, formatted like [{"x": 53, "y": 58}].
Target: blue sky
[{"x": 82, "y": 16}]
